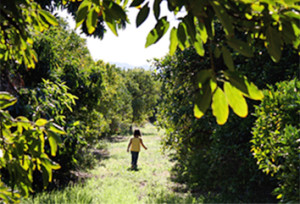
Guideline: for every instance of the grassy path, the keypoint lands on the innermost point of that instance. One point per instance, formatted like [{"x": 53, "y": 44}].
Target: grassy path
[{"x": 113, "y": 181}]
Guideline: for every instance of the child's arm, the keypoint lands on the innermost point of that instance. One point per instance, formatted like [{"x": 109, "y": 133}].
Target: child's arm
[
  {"x": 129, "y": 145},
  {"x": 143, "y": 144}
]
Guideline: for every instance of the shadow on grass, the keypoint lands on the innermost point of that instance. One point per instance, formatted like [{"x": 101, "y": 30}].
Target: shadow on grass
[
  {"x": 134, "y": 169},
  {"x": 187, "y": 198}
]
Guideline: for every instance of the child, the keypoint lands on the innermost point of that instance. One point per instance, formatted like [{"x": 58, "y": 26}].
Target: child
[{"x": 135, "y": 144}]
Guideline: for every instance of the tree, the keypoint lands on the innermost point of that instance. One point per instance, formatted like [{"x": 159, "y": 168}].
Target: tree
[
  {"x": 244, "y": 22},
  {"x": 209, "y": 157},
  {"x": 276, "y": 137},
  {"x": 144, "y": 91}
]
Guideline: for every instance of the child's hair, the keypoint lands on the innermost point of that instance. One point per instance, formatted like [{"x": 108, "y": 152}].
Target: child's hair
[{"x": 137, "y": 132}]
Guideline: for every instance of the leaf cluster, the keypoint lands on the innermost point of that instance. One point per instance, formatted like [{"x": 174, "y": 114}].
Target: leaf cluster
[
  {"x": 275, "y": 143},
  {"x": 22, "y": 149}
]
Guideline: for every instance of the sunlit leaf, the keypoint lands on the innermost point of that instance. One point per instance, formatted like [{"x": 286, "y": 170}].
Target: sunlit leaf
[
  {"x": 56, "y": 129},
  {"x": 220, "y": 106},
  {"x": 49, "y": 17},
  {"x": 236, "y": 100},
  {"x": 198, "y": 45},
  {"x": 158, "y": 31},
  {"x": 82, "y": 12},
  {"x": 246, "y": 87},
  {"x": 181, "y": 34},
  {"x": 203, "y": 100},
  {"x": 91, "y": 21},
  {"x": 41, "y": 122},
  {"x": 173, "y": 40},
  {"x": 6, "y": 100}
]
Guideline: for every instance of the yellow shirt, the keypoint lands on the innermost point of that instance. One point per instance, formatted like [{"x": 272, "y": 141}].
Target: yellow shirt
[{"x": 135, "y": 144}]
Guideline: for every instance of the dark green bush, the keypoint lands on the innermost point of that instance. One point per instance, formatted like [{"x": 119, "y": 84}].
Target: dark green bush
[
  {"x": 276, "y": 138},
  {"x": 208, "y": 157}
]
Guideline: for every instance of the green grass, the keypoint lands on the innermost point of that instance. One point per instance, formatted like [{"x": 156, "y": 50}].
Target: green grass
[{"x": 114, "y": 182}]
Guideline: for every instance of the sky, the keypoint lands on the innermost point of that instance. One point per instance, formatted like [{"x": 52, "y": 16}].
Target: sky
[{"x": 127, "y": 50}]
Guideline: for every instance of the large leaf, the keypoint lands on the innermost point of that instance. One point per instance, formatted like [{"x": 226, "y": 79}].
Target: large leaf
[
  {"x": 142, "y": 15},
  {"x": 182, "y": 35},
  {"x": 115, "y": 10},
  {"x": 220, "y": 106},
  {"x": 274, "y": 43},
  {"x": 173, "y": 40},
  {"x": 240, "y": 46},
  {"x": 54, "y": 140},
  {"x": 48, "y": 17},
  {"x": 82, "y": 12},
  {"x": 246, "y": 87},
  {"x": 158, "y": 31},
  {"x": 236, "y": 100},
  {"x": 190, "y": 25},
  {"x": 91, "y": 21},
  {"x": 204, "y": 76},
  {"x": 198, "y": 45},
  {"x": 223, "y": 17},
  {"x": 156, "y": 8},
  {"x": 227, "y": 58},
  {"x": 203, "y": 100},
  {"x": 203, "y": 33}
]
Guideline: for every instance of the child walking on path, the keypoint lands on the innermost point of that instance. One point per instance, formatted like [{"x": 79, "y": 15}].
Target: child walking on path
[{"x": 135, "y": 144}]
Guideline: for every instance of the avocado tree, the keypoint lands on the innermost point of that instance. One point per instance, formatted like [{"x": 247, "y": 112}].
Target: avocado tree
[{"x": 245, "y": 23}]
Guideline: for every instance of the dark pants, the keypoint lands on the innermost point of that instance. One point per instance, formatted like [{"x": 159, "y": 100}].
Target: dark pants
[{"x": 134, "y": 158}]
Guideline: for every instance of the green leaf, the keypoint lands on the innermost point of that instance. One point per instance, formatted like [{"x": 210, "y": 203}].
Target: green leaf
[
  {"x": 54, "y": 140},
  {"x": 91, "y": 21},
  {"x": 223, "y": 17},
  {"x": 49, "y": 17},
  {"x": 217, "y": 52},
  {"x": 142, "y": 15},
  {"x": 6, "y": 100},
  {"x": 240, "y": 46},
  {"x": 41, "y": 122},
  {"x": 199, "y": 46},
  {"x": 204, "y": 76},
  {"x": 190, "y": 25},
  {"x": 181, "y": 34},
  {"x": 203, "y": 33},
  {"x": 115, "y": 10},
  {"x": 220, "y": 106},
  {"x": 274, "y": 43},
  {"x": 136, "y": 3},
  {"x": 246, "y": 87},
  {"x": 82, "y": 12},
  {"x": 56, "y": 129},
  {"x": 203, "y": 100},
  {"x": 292, "y": 14},
  {"x": 227, "y": 58},
  {"x": 158, "y": 31},
  {"x": 236, "y": 100},
  {"x": 173, "y": 40},
  {"x": 156, "y": 8}
]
